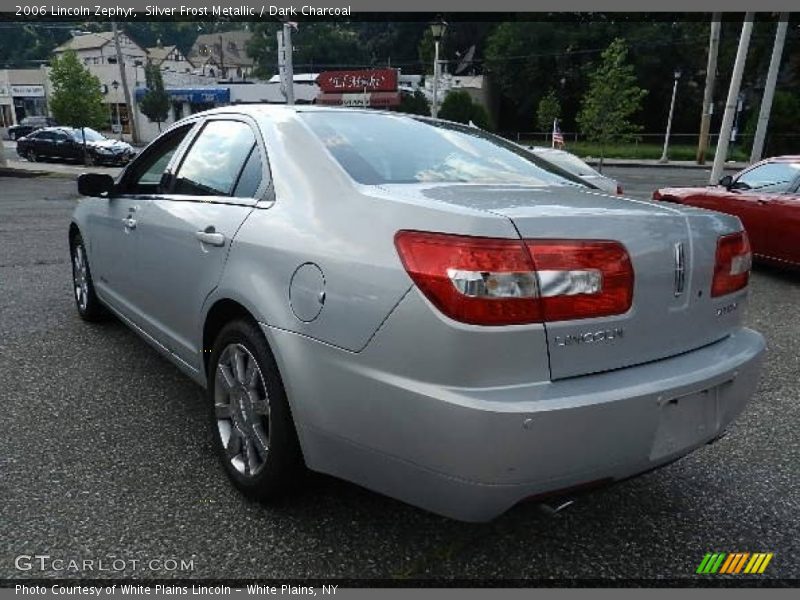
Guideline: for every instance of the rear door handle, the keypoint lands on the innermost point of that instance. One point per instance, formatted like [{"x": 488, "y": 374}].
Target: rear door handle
[{"x": 210, "y": 237}]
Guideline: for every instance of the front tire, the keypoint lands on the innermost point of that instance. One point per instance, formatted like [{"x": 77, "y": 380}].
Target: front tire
[
  {"x": 32, "y": 156},
  {"x": 254, "y": 434},
  {"x": 86, "y": 300}
]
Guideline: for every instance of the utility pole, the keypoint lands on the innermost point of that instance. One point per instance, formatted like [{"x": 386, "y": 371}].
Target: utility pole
[
  {"x": 769, "y": 88},
  {"x": 708, "y": 95},
  {"x": 721, "y": 153},
  {"x": 285, "y": 66},
  {"x": 125, "y": 90}
]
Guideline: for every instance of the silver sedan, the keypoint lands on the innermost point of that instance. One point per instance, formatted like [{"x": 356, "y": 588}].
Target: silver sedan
[{"x": 418, "y": 307}]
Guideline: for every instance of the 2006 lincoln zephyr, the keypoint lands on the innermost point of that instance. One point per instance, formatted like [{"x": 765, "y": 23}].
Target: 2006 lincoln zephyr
[{"x": 416, "y": 306}]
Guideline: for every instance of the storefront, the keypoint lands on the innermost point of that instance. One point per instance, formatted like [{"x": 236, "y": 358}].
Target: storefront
[
  {"x": 28, "y": 100},
  {"x": 6, "y": 107}
]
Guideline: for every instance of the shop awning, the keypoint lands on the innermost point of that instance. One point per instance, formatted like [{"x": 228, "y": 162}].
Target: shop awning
[{"x": 209, "y": 95}]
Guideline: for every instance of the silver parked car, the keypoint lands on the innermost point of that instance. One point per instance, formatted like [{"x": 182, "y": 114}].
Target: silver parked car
[
  {"x": 578, "y": 167},
  {"x": 415, "y": 306}
]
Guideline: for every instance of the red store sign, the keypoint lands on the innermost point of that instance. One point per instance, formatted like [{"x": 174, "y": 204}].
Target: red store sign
[{"x": 369, "y": 80}]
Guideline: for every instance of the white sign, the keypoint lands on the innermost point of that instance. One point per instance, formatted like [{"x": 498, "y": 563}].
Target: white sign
[{"x": 36, "y": 91}]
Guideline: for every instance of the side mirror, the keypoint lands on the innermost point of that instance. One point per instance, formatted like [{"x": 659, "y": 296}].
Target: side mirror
[
  {"x": 95, "y": 184},
  {"x": 726, "y": 182}
]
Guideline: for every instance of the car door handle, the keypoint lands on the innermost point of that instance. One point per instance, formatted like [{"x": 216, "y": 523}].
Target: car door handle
[
  {"x": 129, "y": 222},
  {"x": 211, "y": 237}
]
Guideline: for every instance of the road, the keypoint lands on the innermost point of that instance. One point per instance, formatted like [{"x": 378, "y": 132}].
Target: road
[{"x": 106, "y": 454}]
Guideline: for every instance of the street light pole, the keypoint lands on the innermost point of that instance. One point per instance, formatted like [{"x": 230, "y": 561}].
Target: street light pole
[
  {"x": 437, "y": 31},
  {"x": 708, "y": 94},
  {"x": 664, "y": 158}
]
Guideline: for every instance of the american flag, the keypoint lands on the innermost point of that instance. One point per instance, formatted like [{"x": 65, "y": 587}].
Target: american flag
[{"x": 558, "y": 139}]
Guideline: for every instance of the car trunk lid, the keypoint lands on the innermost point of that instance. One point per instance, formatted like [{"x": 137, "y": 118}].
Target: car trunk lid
[{"x": 672, "y": 251}]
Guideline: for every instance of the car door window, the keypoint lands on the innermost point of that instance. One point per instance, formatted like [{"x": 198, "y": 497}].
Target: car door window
[
  {"x": 772, "y": 178},
  {"x": 146, "y": 173},
  {"x": 214, "y": 163}
]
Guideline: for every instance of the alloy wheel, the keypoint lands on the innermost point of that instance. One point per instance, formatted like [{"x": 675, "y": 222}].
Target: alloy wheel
[
  {"x": 32, "y": 156},
  {"x": 242, "y": 409},
  {"x": 80, "y": 276}
]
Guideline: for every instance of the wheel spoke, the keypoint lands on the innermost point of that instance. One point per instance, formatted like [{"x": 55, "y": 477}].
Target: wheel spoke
[
  {"x": 251, "y": 375},
  {"x": 251, "y": 458},
  {"x": 227, "y": 377},
  {"x": 222, "y": 411},
  {"x": 260, "y": 405},
  {"x": 237, "y": 362},
  {"x": 260, "y": 439},
  {"x": 234, "y": 448}
]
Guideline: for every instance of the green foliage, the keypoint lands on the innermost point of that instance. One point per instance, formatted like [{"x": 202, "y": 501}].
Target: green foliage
[
  {"x": 415, "y": 104},
  {"x": 549, "y": 110},
  {"x": 458, "y": 106},
  {"x": 155, "y": 102},
  {"x": 783, "y": 131},
  {"x": 612, "y": 99},
  {"x": 76, "y": 100}
]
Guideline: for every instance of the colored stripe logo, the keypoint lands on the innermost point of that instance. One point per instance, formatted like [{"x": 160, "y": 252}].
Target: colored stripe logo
[{"x": 734, "y": 563}]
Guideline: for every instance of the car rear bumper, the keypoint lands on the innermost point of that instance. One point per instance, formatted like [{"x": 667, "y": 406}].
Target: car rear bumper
[{"x": 472, "y": 453}]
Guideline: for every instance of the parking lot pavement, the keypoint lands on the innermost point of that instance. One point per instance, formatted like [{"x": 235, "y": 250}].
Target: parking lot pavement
[{"x": 106, "y": 453}]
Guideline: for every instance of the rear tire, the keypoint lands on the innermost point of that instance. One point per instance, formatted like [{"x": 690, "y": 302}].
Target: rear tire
[
  {"x": 86, "y": 300},
  {"x": 251, "y": 422}
]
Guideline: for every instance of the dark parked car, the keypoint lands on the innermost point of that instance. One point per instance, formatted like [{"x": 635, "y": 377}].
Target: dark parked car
[
  {"x": 66, "y": 143},
  {"x": 29, "y": 125}
]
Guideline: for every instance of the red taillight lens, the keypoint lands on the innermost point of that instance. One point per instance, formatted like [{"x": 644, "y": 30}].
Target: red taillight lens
[
  {"x": 732, "y": 265},
  {"x": 487, "y": 281},
  {"x": 484, "y": 281},
  {"x": 619, "y": 190},
  {"x": 600, "y": 275}
]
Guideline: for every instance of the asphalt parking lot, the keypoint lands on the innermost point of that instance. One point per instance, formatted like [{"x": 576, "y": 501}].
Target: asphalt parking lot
[{"x": 106, "y": 453}]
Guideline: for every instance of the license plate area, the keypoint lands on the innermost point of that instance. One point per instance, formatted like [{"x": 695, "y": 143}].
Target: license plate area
[{"x": 685, "y": 421}]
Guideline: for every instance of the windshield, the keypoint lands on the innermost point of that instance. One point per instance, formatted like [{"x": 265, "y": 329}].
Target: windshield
[
  {"x": 381, "y": 149},
  {"x": 91, "y": 135}
]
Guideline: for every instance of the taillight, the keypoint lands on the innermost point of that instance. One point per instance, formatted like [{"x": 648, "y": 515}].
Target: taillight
[
  {"x": 487, "y": 281},
  {"x": 581, "y": 279},
  {"x": 732, "y": 265},
  {"x": 619, "y": 190}
]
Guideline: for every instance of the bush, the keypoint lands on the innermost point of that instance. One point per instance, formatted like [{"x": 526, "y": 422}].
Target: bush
[{"x": 458, "y": 106}]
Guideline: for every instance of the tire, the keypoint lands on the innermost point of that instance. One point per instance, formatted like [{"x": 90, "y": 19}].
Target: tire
[
  {"x": 251, "y": 422},
  {"x": 31, "y": 156},
  {"x": 86, "y": 300},
  {"x": 12, "y": 137}
]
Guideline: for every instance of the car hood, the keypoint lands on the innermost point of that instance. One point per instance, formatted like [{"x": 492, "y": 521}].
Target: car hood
[
  {"x": 685, "y": 191},
  {"x": 114, "y": 145}
]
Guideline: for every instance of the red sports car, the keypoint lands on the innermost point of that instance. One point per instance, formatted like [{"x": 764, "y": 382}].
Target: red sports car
[{"x": 765, "y": 196}]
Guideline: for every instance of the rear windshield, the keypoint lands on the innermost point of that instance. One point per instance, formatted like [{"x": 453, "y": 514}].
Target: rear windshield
[
  {"x": 569, "y": 162},
  {"x": 382, "y": 149}
]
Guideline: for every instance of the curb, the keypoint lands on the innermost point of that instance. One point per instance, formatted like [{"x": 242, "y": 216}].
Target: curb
[{"x": 657, "y": 165}]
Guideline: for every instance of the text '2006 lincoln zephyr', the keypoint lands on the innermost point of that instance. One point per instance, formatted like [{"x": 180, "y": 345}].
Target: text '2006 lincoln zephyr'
[{"x": 416, "y": 306}]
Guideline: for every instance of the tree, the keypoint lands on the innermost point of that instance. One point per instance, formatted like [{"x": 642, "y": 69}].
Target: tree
[
  {"x": 155, "y": 102},
  {"x": 612, "y": 99},
  {"x": 415, "y": 104},
  {"x": 76, "y": 100},
  {"x": 549, "y": 110},
  {"x": 458, "y": 106}
]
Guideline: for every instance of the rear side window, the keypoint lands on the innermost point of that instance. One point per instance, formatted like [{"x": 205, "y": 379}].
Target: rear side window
[
  {"x": 250, "y": 179},
  {"x": 216, "y": 159}
]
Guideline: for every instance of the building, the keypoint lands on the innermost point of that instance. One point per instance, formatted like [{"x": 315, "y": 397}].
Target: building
[
  {"x": 223, "y": 55},
  {"x": 99, "y": 49},
  {"x": 169, "y": 58},
  {"x": 23, "y": 94}
]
